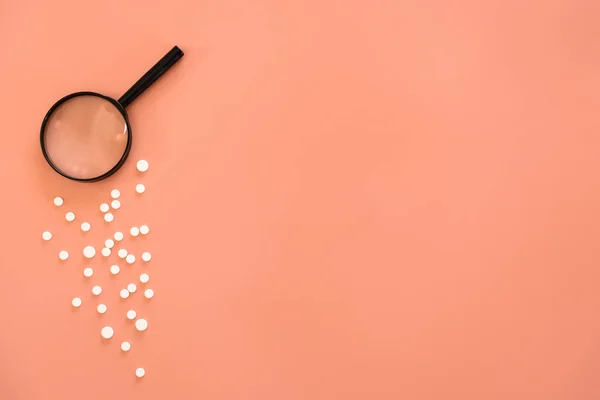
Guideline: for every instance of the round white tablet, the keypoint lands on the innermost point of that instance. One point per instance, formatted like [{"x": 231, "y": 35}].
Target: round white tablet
[
  {"x": 97, "y": 290},
  {"x": 108, "y": 217},
  {"x": 46, "y": 235},
  {"x": 70, "y": 216},
  {"x": 58, "y": 201},
  {"x": 130, "y": 258},
  {"x": 134, "y": 231},
  {"x": 85, "y": 226},
  {"x": 124, "y": 293},
  {"x": 141, "y": 324},
  {"x": 118, "y": 236},
  {"x": 131, "y": 288},
  {"x": 125, "y": 346},
  {"x": 144, "y": 230},
  {"x": 131, "y": 314},
  {"x": 88, "y": 272},
  {"x": 114, "y": 269},
  {"x": 109, "y": 243},
  {"x": 122, "y": 253},
  {"x": 149, "y": 293},
  {"x": 140, "y": 372},
  {"x": 146, "y": 256},
  {"x": 89, "y": 252},
  {"x": 115, "y": 204},
  {"x": 63, "y": 255},
  {"x": 76, "y": 302},
  {"x": 107, "y": 332},
  {"x": 144, "y": 278},
  {"x": 142, "y": 165},
  {"x": 140, "y": 188},
  {"x": 115, "y": 193},
  {"x": 104, "y": 207},
  {"x": 101, "y": 308},
  {"x": 106, "y": 252}
]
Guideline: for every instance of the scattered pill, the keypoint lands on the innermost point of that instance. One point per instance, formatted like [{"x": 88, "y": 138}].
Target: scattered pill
[
  {"x": 131, "y": 288},
  {"x": 115, "y": 194},
  {"x": 142, "y": 165},
  {"x": 76, "y": 302},
  {"x": 130, "y": 258},
  {"x": 122, "y": 253},
  {"x": 134, "y": 231},
  {"x": 89, "y": 252},
  {"x": 70, "y": 216},
  {"x": 125, "y": 346},
  {"x": 140, "y": 188},
  {"x": 149, "y": 293},
  {"x": 140, "y": 372},
  {"x": 96, "y": 290},
  {"x": 107, "y": 332},
  {"x": 144, "y": 278},
  {"x": 141, "y": 324},
  {"x": 101, "y": 308},
  {"x": 115, "y": 204},
  {"x": 106, "y": 252},
  {"x": 114, "y": 269},
  {"x": 58, "y": 201},
  {"x": 104, "y": 207},
  {"x": 63, "y": 255},
  {"x": 108, "y": 217},
  {"x": 88, "y": 272},
  {"x": 109, "y": 243},
  {"x": 146, "y": 256},
  {"x": 118, "y": 236},
  {"x": 144, "y": 230},
  {"x": 86, "y": 226},
  {"x": 131, "y": 314},
  {"x": 124, "y": 293},
  {"x": 46, "y": 235}
]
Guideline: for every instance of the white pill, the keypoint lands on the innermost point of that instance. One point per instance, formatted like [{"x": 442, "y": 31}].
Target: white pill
[
  {"x": 104, "y": 207},
  {"x": 109, "y": 243},
  {"x": 96, "y": 290},
  {"x": 70, "y": 216},
  {"x": 131, "y": 288},
  {"x": 144, "y": 230},
  {"x": 125, "y": 346},
  {"x": 131, "y": 314},
  {"x": 146, "y": 256},
  {"x": 142, "y": 165},
  {"x": 115, "y": 204},
  {"x": 106, "y": 252},
  {"x": 118, "y": 236},
  {"x": 144, "y": 278},
  {"x": 140, "y": 372},
  {"x": 141, "y": 324},
  {"x": 115, "y": 194},
  {"x": 122, "y": 253},
  {"x": 89, "y": 252},
  {"x": 107, "y": 332},
  {"x": 114, "y": 269},
  {"x": 86, "y": 226},
  {"x": 58, "y": 201},
  {"x": 108, "y": 217},
  {"x": 130, "y": 258},
  {"x": 88, "y": 272},
  {"x": 149, "y": 293},
  {"x": 46, "y": 235},
  {"x": 140, "y": 188},
  {"x": 134, "y": 231},
  {"x": 124, "y": 293},
  {"x": 76, "y": 302},
  {"x": 101, "y": 308},
  {"x": 63, "y": 255}
]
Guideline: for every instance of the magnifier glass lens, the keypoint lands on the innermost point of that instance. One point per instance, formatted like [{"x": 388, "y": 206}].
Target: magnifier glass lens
[{"x": 85, "y": 137}]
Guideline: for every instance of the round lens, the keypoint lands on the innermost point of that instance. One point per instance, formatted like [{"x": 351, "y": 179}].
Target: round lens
[{"x": 85, "y": 137}]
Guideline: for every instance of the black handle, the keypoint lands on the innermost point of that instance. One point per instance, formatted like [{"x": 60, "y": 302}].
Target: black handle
[{"x": 151, "y": 76}]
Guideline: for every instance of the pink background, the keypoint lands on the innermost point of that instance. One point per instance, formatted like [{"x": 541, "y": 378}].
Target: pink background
[{"x": 348, "y": 200}]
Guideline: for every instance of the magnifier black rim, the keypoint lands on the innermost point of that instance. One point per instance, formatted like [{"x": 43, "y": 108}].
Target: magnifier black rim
[{"x": 117, "y": 166}]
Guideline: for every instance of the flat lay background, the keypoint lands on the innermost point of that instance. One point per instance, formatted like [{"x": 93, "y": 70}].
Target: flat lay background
[{"x": 378, "y": 199}]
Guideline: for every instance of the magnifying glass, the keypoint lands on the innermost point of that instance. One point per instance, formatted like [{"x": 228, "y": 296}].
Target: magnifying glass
[{"x": 86, "y": 136}]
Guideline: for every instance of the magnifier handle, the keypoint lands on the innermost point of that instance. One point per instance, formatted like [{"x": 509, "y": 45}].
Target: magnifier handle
[{"x": 151, "y": 76}]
